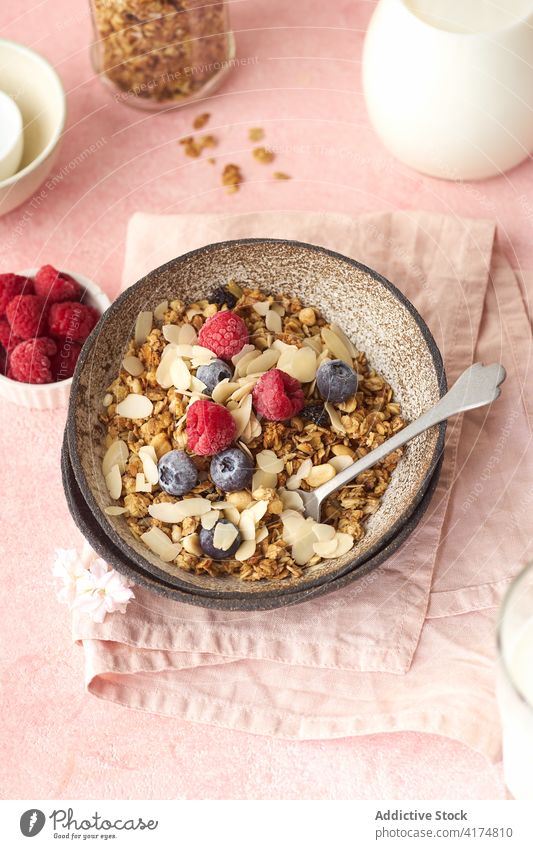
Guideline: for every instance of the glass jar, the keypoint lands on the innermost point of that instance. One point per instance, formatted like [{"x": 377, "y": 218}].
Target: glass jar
[{"x": 155, "y": 53}]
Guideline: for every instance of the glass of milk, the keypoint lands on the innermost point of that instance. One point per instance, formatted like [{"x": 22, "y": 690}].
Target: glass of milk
[
  {"x": 448, "y": 84},
  {"x": 515, "y": 684}
]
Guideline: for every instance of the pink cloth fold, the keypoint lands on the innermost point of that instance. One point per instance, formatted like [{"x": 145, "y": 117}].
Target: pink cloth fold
[{"x": 411, "y": 646}]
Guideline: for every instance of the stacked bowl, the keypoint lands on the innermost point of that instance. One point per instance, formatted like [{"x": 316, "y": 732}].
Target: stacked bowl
[{"x": 371, "y": 311}]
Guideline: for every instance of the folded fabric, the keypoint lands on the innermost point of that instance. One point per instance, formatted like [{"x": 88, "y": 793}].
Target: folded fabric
[{"x": 389, "y": 652}]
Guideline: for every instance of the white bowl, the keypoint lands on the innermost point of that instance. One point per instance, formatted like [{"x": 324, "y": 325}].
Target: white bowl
[
  {"x": 49, "y": 396},
  {"x": 37, "y": 90}
]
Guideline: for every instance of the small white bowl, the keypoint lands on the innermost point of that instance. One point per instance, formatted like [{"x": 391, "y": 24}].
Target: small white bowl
[
  {"x": 35, "y": 87},
  {"x": 11, "y": 136},
  {"x": 50, "y": 396}
]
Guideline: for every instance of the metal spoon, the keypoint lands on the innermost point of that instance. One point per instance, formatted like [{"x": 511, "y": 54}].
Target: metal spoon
[{"x": 477, "y": 386}]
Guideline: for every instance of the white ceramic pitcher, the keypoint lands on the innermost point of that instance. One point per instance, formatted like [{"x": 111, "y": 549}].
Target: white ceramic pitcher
[{"x": 449, "y": 83}]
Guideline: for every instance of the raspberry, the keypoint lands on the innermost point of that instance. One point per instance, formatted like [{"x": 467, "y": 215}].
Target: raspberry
[
  {"x": 56, "y": 286},
  {"x": 225, "y": 333},
  {"x": 27, "y": 315},
  {"x": 210, "y": 427},
  {"x": 64, "y": 361},
  {"x": 11, "y": 285},
  {"x": 70, "y": 320},
  {"x": 277, "y": 395},
  {"x": 4, "y": 362},
  {"x": 7, "y": 337},
  {"x": 30, "y": 361}
]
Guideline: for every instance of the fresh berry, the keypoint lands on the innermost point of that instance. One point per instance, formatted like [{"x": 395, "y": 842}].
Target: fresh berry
[
  {"x": 11, "y": 285},
  {"x": 27, "y": 316},
  {"x": 7, "y": 338},
  {"x": 208, "y": 545},
  {"x": 222, "y": 297},
  {"x": 56, "y": 286},
  {"x": 231, "y": 470},
  {"x": 64, "y": 361},
  {"x": 213, "y": 373},
  {"x": 4, "y": 361},
  {"x": 30, "y": 362},
  {"x": 277, "y": 395},
  {"x": 70, "y": 320},
  {"x": 336, "y": 381},
  {"x": 315, "y": 412},
  {"x": 225, "y": 333},
  {"x": 177, "y": 473},
  {"x": 210, "y": 427}
]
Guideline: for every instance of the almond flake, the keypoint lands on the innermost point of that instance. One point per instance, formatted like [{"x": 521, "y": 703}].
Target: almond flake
[
  {"x": 223, "y": 390},
  {"x": 279, "y": 308},
  {"x": 264, "y": 479},
  {"x": 344, "y": 543},
  {"x": 268, "y": 461},
  {"x": 341, "y": 462},
  {"x": 293, "y": 525},
  {"x": 187, "y": 335},
  {"x": 113, "y": 482},
  {"x": 258, "y": 510},
  {"x": 204, "y": 354},
  {"x": 342, "y": 336},
  {"x": 158, "y": 542},
  {"x": 115, "y": 511},
  {"x": 302, "y": 549},
  {"x": 261, "y": 534},
  {"x": 135, "y": 407},
  {"x": 242, "y": 365},
  {"x": 280, "y": 345},
  {"x": 133, "y": 366},
  {"x": 225, "y": 536},
  {"x": 273, "y": 322},
  {"x": 116, "y": 455},
  {"x": 313, "y": 342},
  {"x": 174, "y": 511},
  {"x": 231, "y": 514},
  {"x": 183, "y": 350},
  {"x": 291, "y": 500},
  {"x": 320, "y": 474},
  {"x": 241, "y": 392},
  {"x": 143, "y": 326},
  {"x": 323, "y": 532},
  {"x": 191, "y": 544},
  {"x": 108, "y": 399},
  {"x": 160, "y": 310},
  {"x": 210, "y": 519},
  {"x": 241, "y": 416},
  {"x": 299, "y": 363},
  {"x": 181, "y": 376},
  {"x": 245, "y": 550},
  {"x": 149, "y": 468},
  {"x": 245, "y": 447},
  {"x": 261, "y": 307},
  {"x": 171, "y": 333},
  {"x": 337, "y": 347},
  {"x": 295, "y": 480},
  {"x": 264, "y": 362},
  {"x": 246, "y": 349},
  {"x": 149, "y": 451},
  {"x": 141, "y": 484},
  {"x": 334, "y": 418},
  {"x": 163, "y": 373},
  {"x": 326, "y": 548},
  {"x": 247, "y": 525},
  {"x": 198, "y": 387}
]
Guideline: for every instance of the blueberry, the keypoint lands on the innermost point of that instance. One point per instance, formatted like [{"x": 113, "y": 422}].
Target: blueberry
[
  {"x": 231, "y": 470},
  {"x": 177, "y": 473},
  {"x": 208, "y": 546},
  {"x": 336, "y": 381},
  {"x": 213, "y": 373},
  {"x": 220, "y": 296}
]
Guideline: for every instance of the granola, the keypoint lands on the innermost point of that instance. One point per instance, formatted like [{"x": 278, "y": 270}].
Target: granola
[{"x": 166, "y": 381}]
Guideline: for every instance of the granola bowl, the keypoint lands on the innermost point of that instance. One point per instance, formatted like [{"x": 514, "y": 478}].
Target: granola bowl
[{"x": 138, "y": 397}]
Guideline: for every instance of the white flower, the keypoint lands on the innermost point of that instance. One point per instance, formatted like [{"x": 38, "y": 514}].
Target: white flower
[
  {"x": 102, "y": 590},
  {"x": 69, "y": 568},
  {"x": 96, "y": 590}
]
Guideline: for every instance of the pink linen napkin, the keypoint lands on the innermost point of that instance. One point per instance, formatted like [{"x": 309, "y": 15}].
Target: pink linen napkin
[{"x": 411, "y": 646}]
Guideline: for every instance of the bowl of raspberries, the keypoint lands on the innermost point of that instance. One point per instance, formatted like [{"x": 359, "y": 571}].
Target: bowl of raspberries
[{"x": 45, "y": 317}]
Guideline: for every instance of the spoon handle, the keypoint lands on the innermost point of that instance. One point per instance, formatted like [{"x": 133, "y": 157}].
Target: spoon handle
[{"x": 477, "y": 386}]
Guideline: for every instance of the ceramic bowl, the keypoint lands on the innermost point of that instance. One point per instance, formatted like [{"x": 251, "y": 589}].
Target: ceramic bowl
[
  {"x": 35, "y": 87},
  {"x": 379, "y": 319},
  {"x": 49, "y": 396},
  {"x": 102, "y": 545}
]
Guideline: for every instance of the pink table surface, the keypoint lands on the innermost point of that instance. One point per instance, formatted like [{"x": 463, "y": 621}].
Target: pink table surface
[{"x": 302, "y": 84}]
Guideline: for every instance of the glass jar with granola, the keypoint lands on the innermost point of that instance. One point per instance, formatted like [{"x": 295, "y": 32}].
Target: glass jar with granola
[{"x": 154, "y": 53}]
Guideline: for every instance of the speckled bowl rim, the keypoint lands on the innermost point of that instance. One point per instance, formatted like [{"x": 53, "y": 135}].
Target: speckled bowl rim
[
  {"x": 103, "y": 546},
  {"x": 268, "y": 589}
]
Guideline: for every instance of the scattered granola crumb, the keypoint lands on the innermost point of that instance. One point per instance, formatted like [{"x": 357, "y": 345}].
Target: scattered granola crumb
[
  {"x": 194, "y": 147},
  {"x": 201, "y": 120},
  {"x": 231, "y": 177},
  {"x": 263, "y": 154},
  {"x": 280, "y": 175},
  {"x": 255, "y": 134},
  {"x": 211, "y": 160}
]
